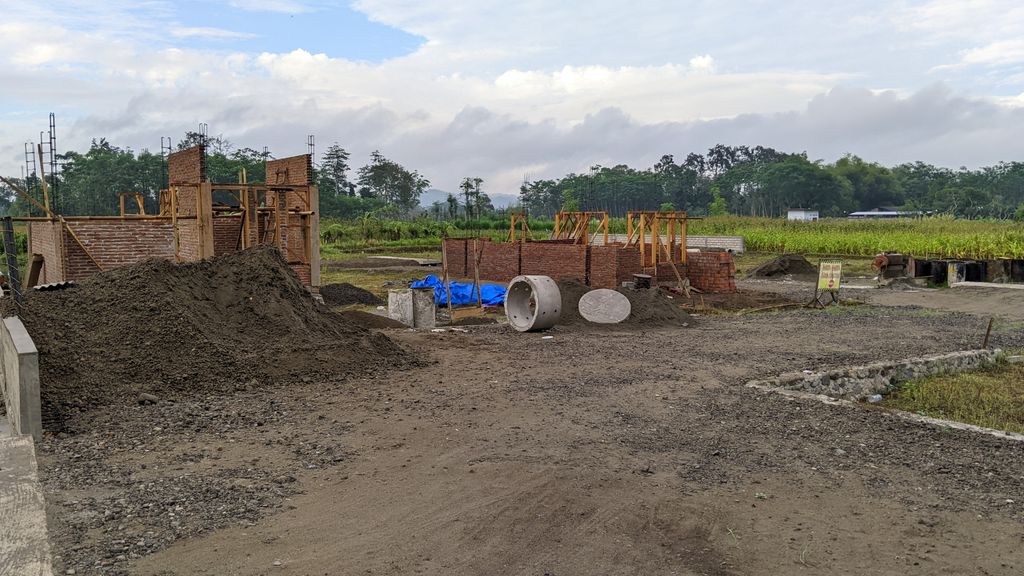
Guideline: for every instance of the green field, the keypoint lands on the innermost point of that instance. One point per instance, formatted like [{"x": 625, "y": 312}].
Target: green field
[{"x": 936, "y": 237}]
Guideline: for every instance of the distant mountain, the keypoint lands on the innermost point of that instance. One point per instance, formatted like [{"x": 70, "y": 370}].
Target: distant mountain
[{"x": 434, "y": 195}]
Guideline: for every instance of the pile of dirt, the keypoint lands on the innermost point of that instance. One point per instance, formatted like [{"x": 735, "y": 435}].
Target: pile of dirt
[
  {"x": 371, "y": 320},
  {"x": 175, "y": 331},
  {"x": 344, "y": 294},
  {"x": 784, "y": 265},
  {"x": 650, "y": 307}
]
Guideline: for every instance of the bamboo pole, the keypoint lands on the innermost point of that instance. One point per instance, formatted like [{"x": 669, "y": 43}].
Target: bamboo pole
[
  {"x": 28, "y": 197},
  {"x": 476, "y": 272},
  {"x": 447, "y": 281}
]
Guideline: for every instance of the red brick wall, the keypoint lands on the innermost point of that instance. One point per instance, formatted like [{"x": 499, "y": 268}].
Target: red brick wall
[
  {"x": 186, "y": 166},
  {"x": 459, "y": 256},
  {"x": 711, "y": 271},
  {"x": 115, "y": 243},
  {"x": 45, "y": 239},
  {"x": 558, "y": 260},
  {"x": 628, "y": 264},
  {"x": 226, "y": 234},
  {"x": 295, "y": 171},
  {"x": 499, "y": 261}
]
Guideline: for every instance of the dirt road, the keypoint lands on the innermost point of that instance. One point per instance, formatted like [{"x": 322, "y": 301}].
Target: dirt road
[{"x": 594, "y": 452}]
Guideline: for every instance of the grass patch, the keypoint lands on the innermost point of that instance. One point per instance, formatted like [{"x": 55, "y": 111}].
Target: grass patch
[
  {"x": 993, "y": 397},
  {"x": 376, "y": 281}
]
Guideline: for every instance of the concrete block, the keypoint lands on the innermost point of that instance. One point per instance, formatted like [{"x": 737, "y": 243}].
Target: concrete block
[
  {"x": 400, "y": 306},
  {"x": 19, "y": 378},
  {"x": 424, "y": 310}
]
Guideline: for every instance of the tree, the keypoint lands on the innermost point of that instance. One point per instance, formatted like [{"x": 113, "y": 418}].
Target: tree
[
  {"x": 332, "y": 176},
  {"x": 453, "y": 206},
  {"x": 389, "y": 181},
  {"x": 471, "y": 191},
  {"x": 718, "y": 206},
  {"x": 570, "y": 201}
]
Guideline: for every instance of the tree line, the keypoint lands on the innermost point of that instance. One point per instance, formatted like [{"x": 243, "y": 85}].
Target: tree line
[
  {"x": 762, "y": 181},
  {"x": 755, "y": 181},
  {"x": 91, "y": 183}
]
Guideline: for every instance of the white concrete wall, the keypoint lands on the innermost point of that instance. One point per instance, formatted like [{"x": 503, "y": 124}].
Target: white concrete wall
[
  {"x": 19, "y": 379},
  {"x": 734, "y": 243}
]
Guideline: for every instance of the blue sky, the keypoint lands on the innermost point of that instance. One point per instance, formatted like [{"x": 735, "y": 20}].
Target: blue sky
[
  {"x": 331, "y": 28},
  {"x": 500, "y": 89}
]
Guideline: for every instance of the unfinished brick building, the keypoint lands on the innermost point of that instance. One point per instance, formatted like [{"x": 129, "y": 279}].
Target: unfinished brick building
[
  {"x": 656, "y": 245},
  {"x": 190, "y": 226}
]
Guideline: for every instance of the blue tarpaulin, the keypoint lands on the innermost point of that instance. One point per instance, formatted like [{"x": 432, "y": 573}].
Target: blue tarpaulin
[{"x": 462, "y": 293}]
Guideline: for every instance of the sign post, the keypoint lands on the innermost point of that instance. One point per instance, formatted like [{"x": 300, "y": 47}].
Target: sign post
[{"x": 830, "y": 276}]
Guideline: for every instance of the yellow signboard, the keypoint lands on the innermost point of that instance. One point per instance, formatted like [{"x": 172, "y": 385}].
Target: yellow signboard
[{"x": 830, "y": 274}]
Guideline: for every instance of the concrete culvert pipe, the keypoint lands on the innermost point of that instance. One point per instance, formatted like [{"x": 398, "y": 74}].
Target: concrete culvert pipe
[{"x": 532, "y": 303}]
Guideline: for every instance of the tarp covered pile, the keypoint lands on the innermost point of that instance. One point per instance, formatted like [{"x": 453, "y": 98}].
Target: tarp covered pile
[{"x": 462, "y": 293}]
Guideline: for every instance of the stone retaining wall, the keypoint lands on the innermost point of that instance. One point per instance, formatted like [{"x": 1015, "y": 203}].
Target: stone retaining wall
[{"x": 859, "y": 382}]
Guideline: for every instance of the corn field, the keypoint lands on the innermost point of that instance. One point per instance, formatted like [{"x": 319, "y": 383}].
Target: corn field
[{"x": 926, "y": 237}]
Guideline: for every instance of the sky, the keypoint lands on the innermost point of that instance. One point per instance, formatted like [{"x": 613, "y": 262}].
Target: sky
[{"x": 529, "y": 89}]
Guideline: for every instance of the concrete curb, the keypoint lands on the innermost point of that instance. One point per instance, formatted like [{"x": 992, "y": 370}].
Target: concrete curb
[
  {"x": 800, "y": 395},
  {"x": 24, "y": 544}
]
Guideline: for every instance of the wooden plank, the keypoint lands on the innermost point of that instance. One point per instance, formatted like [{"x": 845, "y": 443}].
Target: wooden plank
[
  {"x": 314, "y": 236},
  {"x": 33, "y": 271}
]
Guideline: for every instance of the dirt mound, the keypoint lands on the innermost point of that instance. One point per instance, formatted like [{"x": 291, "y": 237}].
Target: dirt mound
[
  {"x": 371, "y": 320},
  {"x": 344, "y": 294},
  {"x": 177, "y": 330},
  {"x": 650, "y": 307},
  {"x": 784, "y": 265}
]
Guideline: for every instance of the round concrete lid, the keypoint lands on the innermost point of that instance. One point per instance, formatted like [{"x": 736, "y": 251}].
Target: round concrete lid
[{"x": 603, "y": 306}]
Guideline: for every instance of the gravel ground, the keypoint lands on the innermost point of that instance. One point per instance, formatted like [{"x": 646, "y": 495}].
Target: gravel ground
[{"x": 605, "y": 451}]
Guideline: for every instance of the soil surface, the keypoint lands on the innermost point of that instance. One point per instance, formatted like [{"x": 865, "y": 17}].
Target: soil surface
[
  {"x": 631, "y": 450},
  {"x": 344, "y": 294},
  {"x": 371, "y": 320},
  {"x": 1006, "y": 304},
  {"x": 242, "y": 320}
]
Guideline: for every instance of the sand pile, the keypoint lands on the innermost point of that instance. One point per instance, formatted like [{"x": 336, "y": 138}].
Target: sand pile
[
  {"x": 343, "y": 294},
  {"x": 174, "y": 330},
  {"x": 652, "y": 307},
  {"x": 784, "y": 265}
]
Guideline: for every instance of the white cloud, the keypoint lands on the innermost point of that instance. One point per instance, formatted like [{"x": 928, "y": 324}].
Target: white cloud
[
  {"x": 279, "y": 6},
  {"x": 206, "y": 32},
  {"x": 503, "y": 89},
  {"x": 703, "y": 64}
]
